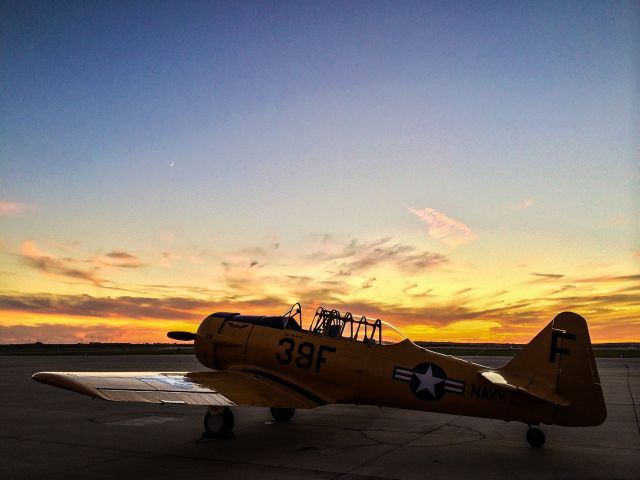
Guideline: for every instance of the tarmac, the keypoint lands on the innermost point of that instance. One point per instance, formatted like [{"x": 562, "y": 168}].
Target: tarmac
[{"x": 49, "y": 433}]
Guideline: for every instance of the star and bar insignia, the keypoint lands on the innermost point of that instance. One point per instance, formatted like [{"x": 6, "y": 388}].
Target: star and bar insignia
[{"x": 428, "y": 381}]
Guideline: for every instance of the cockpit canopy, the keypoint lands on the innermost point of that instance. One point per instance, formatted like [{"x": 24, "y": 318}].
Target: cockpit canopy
[
  {"x": 330, "y": 323},
  {"x": 334, "y": 324}
]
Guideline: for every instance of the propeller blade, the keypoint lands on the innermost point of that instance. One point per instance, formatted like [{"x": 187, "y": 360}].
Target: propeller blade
[{"x": 183, "y": 336}]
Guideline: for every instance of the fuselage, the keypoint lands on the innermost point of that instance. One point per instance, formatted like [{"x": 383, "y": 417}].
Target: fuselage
[{"x": 330, "y": 369}]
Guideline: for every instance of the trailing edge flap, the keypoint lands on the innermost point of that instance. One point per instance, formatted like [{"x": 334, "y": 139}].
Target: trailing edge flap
[
  {"x": 528, "y": 386},
  {"x": 217, "y": 388}
]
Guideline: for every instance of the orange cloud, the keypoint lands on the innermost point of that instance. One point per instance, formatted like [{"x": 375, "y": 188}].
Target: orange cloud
[
  {"x": 367, "y": 277},
  {"x": 445, "y": 229},
  {"x": 611, "y": 308},
  {"x": 73, "y": 318}
]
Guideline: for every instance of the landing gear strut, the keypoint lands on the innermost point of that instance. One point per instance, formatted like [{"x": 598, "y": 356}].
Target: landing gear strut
[
  {"x": 282, "y": 414},
  {"x": 535, "y": 437},
  {"x": 218, "y": 422}
]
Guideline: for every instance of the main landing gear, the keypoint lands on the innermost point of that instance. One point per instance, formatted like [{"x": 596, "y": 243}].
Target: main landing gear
[
  {"x": 282, "y": 414},
  {"x": 535, "y": 437},
  {"x": 218, "y": 422}
]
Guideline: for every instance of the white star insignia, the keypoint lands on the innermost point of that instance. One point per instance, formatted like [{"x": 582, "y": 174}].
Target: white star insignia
[{"x": 428, "y": 381}]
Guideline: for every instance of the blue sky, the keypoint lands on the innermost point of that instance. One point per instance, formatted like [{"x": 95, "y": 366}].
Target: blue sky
[{"x": 221, "y": 124}]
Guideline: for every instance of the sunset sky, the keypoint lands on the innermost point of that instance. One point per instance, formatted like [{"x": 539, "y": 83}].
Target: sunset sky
[{"x": 463, "y": 170}]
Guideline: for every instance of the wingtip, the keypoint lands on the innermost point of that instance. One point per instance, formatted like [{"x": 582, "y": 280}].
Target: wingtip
[
  {"x": 67, "y": 381},
  {"x": 44, "y": 377}
]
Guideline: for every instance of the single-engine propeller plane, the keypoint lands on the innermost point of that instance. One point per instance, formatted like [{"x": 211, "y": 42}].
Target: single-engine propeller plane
[{"x": 272, "y": 361}]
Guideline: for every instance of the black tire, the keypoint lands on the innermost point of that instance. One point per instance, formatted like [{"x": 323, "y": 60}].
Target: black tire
[
  {"x": 219, "y": 425},
  {"x": 282, "y": 414},
  {"x": 535, "y": 437}
]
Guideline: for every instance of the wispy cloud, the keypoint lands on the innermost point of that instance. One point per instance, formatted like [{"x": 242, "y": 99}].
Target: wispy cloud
[
  {"x": 523, "y": 205},
  {"x": 445, "y": 229},
  {"x": 144, "y": 308},
  {"x": 87, "y": 269},
  {"x": 465, "y": 290},
  {"x": 369, "y": 282},
  {"x": 120, "y": 259},
  {"x": 121, "y": 256},
  {"x": 239, "y": 261},
  {"x": 404, "y": 257},
  {"x": 357, "y": 256},
  {"x": 548, "y": 276},
  {"x": 169, "y": 308},
  {"x": 609, "y": 279},
  {"x": 12, "y": 208},
  {"x": 409, "y": 286},
  {"x": 562, "y": 289},
  {"x": 33, "y": 257}
]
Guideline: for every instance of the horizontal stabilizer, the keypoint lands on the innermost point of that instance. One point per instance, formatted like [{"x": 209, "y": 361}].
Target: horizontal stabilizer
[{"x": 514, "y": 382}]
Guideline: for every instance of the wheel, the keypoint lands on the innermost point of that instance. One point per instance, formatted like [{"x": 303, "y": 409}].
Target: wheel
[
  {"x": 535, "y": 437},
  {"x": 282, "y": 414},
  {"x": 219, "y": 424}
]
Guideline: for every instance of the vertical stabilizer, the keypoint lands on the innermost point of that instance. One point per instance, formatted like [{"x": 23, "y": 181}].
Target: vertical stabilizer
[{"x": 560, "y": 361}]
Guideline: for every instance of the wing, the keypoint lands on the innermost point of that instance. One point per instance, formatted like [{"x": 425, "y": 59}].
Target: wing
[{"x": 218, "y": 388}]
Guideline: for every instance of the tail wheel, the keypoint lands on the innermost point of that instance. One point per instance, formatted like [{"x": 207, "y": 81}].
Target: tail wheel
[
  {"x": 535, "y": 437},
  {"x": 282, "y": 414},
  {"x": 218, "y": 422}
]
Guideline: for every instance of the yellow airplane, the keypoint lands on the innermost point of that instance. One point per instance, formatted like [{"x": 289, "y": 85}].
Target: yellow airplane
[{"x": 272, "y": 361}]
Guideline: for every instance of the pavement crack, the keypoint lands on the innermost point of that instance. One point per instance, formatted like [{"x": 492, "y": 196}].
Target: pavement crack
[
  {"x": 394, "y": 447},
  {"x": 495, "y": 429},
  {"x": 365, "y": 435}
]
